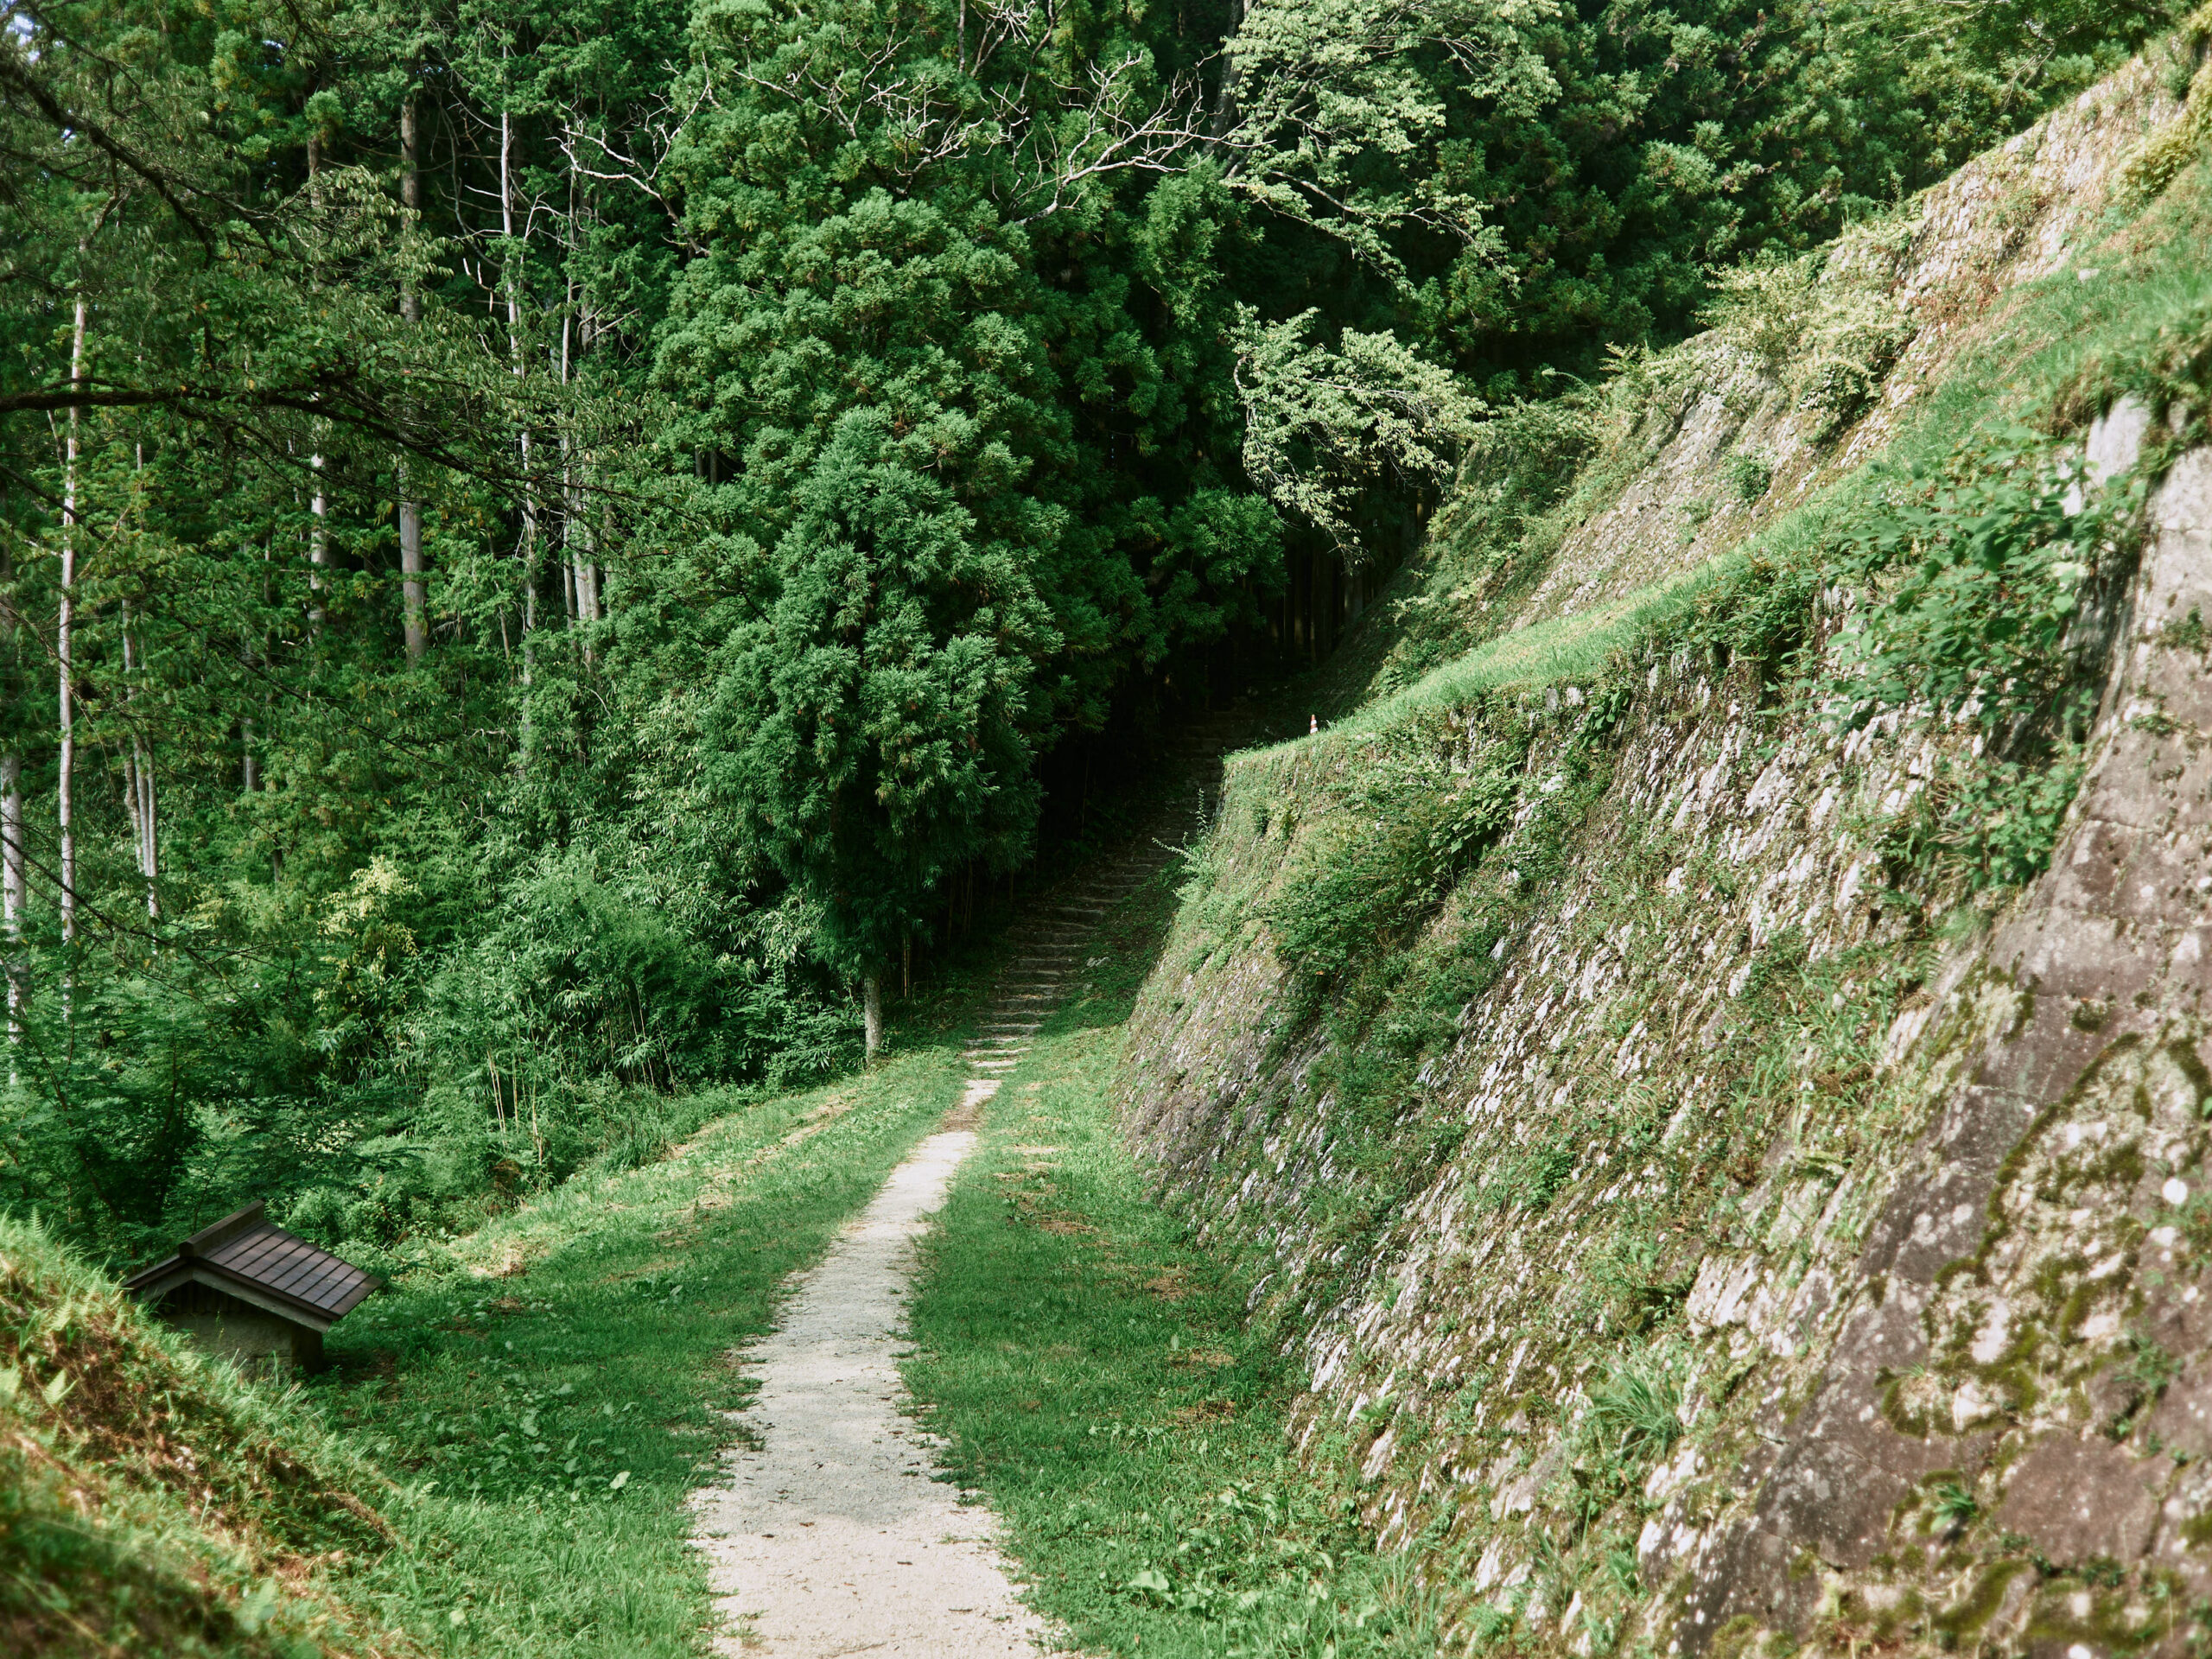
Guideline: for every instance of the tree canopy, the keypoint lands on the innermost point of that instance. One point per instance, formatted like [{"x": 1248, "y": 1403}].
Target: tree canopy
[{"x": 542, "y": 545}]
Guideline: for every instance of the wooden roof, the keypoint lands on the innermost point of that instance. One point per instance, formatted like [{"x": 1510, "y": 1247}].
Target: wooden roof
[{"x": 255, "y": 1260}]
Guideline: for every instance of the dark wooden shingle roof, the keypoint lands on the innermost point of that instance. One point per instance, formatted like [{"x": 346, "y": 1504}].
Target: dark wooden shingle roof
[{"x": 253, "y": 1257}]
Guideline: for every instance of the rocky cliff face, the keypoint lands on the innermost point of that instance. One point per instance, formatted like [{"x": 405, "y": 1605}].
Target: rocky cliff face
[{"x": 1702, "y": 1232}]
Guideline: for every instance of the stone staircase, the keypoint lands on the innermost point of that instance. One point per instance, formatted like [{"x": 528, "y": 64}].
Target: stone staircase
[
  {"x": 1054, "y": 940},
  {"x": 1050, "y": 947}
]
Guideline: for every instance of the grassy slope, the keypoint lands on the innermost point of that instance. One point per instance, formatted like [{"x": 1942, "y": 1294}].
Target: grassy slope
[
  {"x": 2130, "y": 312},
  {"x": 152, "y": 1503},
  {"x": 1094, "y": 1376},
  {"x": 497, "y": 1462}
]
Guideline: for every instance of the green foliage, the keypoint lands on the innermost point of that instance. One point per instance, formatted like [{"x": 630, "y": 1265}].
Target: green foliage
[
  {"x": 1397, "y": 843},
  {"x": 1747, "y": 477},
  {"x": 1826, "y": 324},
  {"x": 968, "y": 495},
  {"x": 1994, "y": 824},
  {"x": 1637, "y": 1412},
  {"x": 1954, "y": 1506},
  {"x": 1982, "y": 569},
  {"x": 494, "y": 1464},
  {"x": 813, "y": 419},
  {"x": 1323, "y": 425}
]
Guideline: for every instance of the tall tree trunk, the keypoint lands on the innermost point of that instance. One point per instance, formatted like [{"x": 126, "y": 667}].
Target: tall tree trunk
[
  {"x": 576, "y": 533},
  {"x": 414, "y": 596},
  {"x": 567, "y": 477},
  {"x": 12, "y": 892},
  {"x": 318, "y": 547},
  {"x": 12, "y": 896},
  {"x": 872, "y": 1011},
  {"x": 65, "y": 644},
  {"x": 318, "y": 504},
  {"x": 527, "y": 552},
  {"x": 152, "y": 867},
  {"x": 139, "y": 773}
]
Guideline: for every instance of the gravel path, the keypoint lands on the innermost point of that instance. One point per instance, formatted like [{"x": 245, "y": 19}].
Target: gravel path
[
  {"x": 828, "y": 1535},
  {"x": 831, "y": 1538}
]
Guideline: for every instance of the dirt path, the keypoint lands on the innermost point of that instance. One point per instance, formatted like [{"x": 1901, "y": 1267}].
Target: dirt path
[
  {"x": 828, "y": 1535},
  {"x": 831, "y": 1538}
]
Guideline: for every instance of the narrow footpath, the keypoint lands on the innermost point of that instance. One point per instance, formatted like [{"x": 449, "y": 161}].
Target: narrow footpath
[{"x": 830, "y": 1533}]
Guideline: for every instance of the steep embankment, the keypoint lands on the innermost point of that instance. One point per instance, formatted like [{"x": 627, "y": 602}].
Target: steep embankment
[
  {"x": 1725, "y": 1189},
  {"x": 153, "y": 1505}
]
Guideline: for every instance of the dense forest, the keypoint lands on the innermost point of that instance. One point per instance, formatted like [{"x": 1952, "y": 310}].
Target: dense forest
[{"x": 547, "y": 552}]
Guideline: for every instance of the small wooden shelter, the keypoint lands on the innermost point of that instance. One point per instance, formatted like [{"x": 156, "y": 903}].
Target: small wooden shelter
[{"x": 249, "y": 1291}]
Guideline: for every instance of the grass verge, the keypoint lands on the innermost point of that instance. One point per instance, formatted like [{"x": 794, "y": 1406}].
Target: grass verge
[
  {"x": 550, "y": 1391},
  {"x": 1092, "y": 1373}
]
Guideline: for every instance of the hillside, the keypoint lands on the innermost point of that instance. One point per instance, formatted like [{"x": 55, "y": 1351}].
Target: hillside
[
  {"x": 1678, "y": 1120},
  {"x": 1702, "y": 1063},
  {"x": 153, "y": 1503}
]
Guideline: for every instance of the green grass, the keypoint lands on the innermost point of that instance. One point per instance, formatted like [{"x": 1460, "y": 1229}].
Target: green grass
[
  {"x": 1093, "y": 1373},
  {"x": 1562, "y": 649},
  {"x": 152, "y": 1503},
  {"x": 547, "y": 1418}
]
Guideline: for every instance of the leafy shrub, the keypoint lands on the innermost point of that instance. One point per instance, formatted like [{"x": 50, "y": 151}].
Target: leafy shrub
[
  {"x": 1393, "y": 854},
  {"x": 1975, "y": 581},
  {"x": 1747, "y": 477},
  {"x": 1824, "y": 323},
  {"x": 1984, "y": 586}
]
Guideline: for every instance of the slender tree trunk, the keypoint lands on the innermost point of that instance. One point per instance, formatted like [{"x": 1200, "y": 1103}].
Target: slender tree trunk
[
  {"x": 153, "y": 864},
  {"x": 413, "y": 595},
  {"x": 527, "y": 552},
  {"x": 872, "y": 1006},
  {"x": 65, "y": 645},
  {"x": 318, "y": 547},
  {"x": 139, "y": 773},
  {"x": 12, "y": 897},
  {"x": 318, "y": 504},
  {"x": 576, "y": 537},
  {"x": 567, "y": 479}
]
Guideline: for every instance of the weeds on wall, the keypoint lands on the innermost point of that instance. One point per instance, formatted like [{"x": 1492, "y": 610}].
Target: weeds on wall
[
  {"x": 1989, "y": 587},
  {"x": 1409, "y": 829},
  {"x": 1979, "y": 576},
  {"x": 1825, "y": 323}
]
